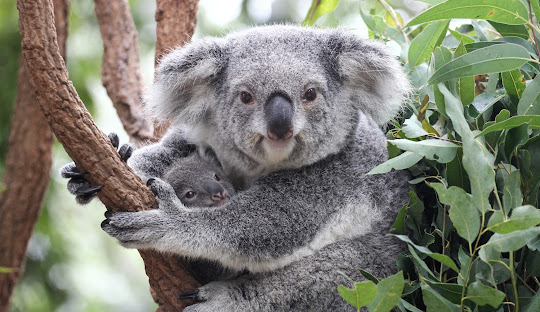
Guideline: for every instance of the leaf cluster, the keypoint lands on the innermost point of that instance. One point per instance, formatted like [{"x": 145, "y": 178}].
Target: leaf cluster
[{"x": 471, "y": 141}]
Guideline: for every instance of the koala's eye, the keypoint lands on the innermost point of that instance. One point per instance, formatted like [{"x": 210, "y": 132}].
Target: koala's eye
[
  {"x": 310, "y": 95},
  {"x": 190, "y": 194},
  {"x": 217, "y": 177},
  {"x": 246, "y": 97}
]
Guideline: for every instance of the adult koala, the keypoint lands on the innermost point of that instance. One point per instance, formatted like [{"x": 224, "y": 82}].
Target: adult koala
[{"x": 293, "y": 116}]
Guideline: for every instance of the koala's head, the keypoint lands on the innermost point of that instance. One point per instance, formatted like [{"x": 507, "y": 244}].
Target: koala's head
[
  {"x": 198, "y": 182},
  {"x": 277, "y": 96}
]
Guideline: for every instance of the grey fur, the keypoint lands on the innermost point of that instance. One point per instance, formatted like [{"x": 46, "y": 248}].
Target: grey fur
[
  {"x": 307, "y": 210},
  {"x": 202, "y": 179}
]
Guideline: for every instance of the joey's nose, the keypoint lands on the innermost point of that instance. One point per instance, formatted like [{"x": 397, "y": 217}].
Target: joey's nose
[
  {"x": 215, "y": 190},
  {"x": 279, "y": 113}
]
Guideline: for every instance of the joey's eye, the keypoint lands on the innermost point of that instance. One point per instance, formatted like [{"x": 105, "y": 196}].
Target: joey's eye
[
  {"x": 310, "y": 95},
  {"x": 190, "y": 194},
  {"x": 246, "y": 97},
  {"x": 217, "y": 177}
]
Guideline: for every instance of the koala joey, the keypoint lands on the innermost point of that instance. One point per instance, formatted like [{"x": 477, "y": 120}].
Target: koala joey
[
  {"x": 294, "y": 116},
  {"x": 198, "y": 182}
]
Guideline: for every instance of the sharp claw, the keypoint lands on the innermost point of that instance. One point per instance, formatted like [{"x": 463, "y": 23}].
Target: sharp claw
[
  {"x": 108, "y": 214},
  {"x": 125, "y": 152},
  {"x": 105, "y": 222},
  {"x": 115, "y": 141},
  {"x": 72, "y": 174},
  {"x": 189, "y": 295},
  {"x": 89, "y": 190},
  {"x": 150, "y": 181}
]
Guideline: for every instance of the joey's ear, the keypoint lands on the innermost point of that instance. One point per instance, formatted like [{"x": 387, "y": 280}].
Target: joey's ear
[
  {"x": 185, "y": 82},
  {"x": 370, "y": 75}
]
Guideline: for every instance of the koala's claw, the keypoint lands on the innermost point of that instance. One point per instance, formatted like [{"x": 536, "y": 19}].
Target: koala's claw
[
  {"x": 115, "y": 141},
  {"x": 88, "y": 191},
  {"x": 125, "y": 152},
  {"x": 71, "y": 171},
  {"x": 190, "y": 295}
]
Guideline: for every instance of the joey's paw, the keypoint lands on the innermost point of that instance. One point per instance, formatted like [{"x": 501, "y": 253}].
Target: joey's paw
[
  {"x": 140, "y": 229},
  {"x": 78, "y": 185},
  {"x": 163, "y": 191}
]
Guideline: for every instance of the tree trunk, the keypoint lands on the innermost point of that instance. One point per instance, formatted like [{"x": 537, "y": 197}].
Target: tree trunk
[
  {"x": 28, "y": 163},
  {"x": 90, "y": 148}
]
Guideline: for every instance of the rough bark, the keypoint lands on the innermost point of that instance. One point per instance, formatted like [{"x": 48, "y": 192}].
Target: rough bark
[
  {"x": 175, "y": 24},
  {"x": 28, "y": 163},
  {"x": 120, "y": 71},
  {"x": 90, "y": 148}
]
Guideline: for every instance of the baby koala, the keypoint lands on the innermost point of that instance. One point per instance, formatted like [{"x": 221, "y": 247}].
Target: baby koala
[{"x": 199, "y": 182}]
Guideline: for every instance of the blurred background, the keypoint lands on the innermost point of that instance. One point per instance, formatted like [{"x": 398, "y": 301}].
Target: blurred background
[{"x": 72, "y": 264}]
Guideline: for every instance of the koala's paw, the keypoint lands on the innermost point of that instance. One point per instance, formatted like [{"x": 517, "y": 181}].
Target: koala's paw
[
  {"x": 78, "y": 185},
  {"x": 219, "y": 296},
  {"x": 164, "y": 192},
  {"x": 141, "y": 229}
]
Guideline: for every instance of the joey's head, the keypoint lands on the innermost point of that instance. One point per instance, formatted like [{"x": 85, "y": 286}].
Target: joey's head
[
  {"x": 277, "y": 97},
  {"x": 199, "y": 183}
]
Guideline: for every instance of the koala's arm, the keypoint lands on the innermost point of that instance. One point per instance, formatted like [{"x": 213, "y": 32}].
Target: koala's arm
[
  {"x": 153, "y": 160},
  {"x": 285, "y": 216}
]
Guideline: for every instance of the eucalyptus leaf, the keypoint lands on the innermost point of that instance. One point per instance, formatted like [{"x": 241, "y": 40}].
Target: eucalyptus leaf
[
  {"x": 511, "y": 241},
  {"x": 483, "y": 295},
  {"x": 533, "y": 121},
  {"x": 403, "y": 161},
  {"x": 388, "y": 293},
  {"x": 534, "y": 303},
  {"x": 439, "y": 150},
  {"x": 510, "y": 30},
  {"x": 522, "y": 218},
  {"x": 435, "y": 302},
  {"x": 483, "y": 102},
  {"x": 360, "y": 295},
  {"x": 466, "y": 84},
  {"x": 491, "y": 59},
  {"x": 511, "y": 12},
  {"x": 461, "y": 37},
  {"x": 319, "y": 8},
  {"x": 413, "y": 128},
  {"x": 423, "y": 45},
  {"x": 463, "y": 213},
  {"x": 513, "y": 84},
  {"x": 451, "y": 292},
  {"x": 529, "y": 104},
  {"x": 444, "y": 259}
]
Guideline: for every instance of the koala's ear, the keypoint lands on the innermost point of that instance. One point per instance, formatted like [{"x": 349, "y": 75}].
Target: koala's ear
[
  {"x": 369, "y": 73},
  {"x": 185, "y": 82}
]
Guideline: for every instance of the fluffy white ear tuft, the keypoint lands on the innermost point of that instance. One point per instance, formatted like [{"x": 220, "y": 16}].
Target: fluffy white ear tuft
[
  {"x": 371, "y": 74},
  {"x": 183, "y": 86}
]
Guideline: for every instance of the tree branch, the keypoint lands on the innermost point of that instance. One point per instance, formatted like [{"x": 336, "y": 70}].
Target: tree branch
[
  {"x": 28, "y": 163},
  {"x": 120, "y": 71},
  {"x": 90, "y": 148}
]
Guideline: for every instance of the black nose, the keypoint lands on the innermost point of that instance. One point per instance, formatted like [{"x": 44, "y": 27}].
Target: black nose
[
  {"x": 215, "y": 190},
  {"x": 279, "y": 112}
]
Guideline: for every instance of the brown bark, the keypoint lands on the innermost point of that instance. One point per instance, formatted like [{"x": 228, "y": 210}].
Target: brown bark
[
  {"x": 28, "y": 163},
  {"x": 89, "y": 147},
  {"x": 175, "y": 24},
  {"x": 120, "y": 71}
]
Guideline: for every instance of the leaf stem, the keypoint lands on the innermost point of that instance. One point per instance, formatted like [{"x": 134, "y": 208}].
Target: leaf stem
[
  {"x": 533, "y": 29},
  {"x": 514, "y": 282},
  {"x": 393, "y": 15}
]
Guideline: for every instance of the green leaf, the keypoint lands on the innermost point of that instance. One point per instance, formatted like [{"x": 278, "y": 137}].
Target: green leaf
[
  {"x": 533, "y": 121},
  {"x": 534, "y": 303},
  {"x": 435, "y": 302},
  {"x": 515, "y": 40},
  {"x": 530, "y": 100},
  {"x": 482, "y": 294},
  {"x": 511, "y": 12},
  {"x": 441, "y": 56},
  {"x": 510, "y": 30},
  {"x": 415, "y": 210},
  {"x": 452, "y": 292},
  {"x": 403, "y": 161},
  {"x": 477, "y": 160},
  {"x": 536, "y": 9},
  {"x": 483, "y": 102},
  {"x": 319, "y": 8},
  {"x": 413, "y": 128},
  {"x": 492, "y": 59},
  {"x": 399, "y": 224},
  {"x": 514, "y": 84},
  {"x": 465, "y": 85},
  {"x": 511, "y": 241},
  {"x": 388, "y": 293},
  {"x": 463, "y": 213},
  {"x": 522, "y": 218},
  {"x": 461, "y": 37},
  {"x": 437, "y": 256},
  {"x": 439, "y": 150},
  {"x": 408, "y": 306},
  {"x": 423, "y": 45},
  {"x": 512, "y": 195},
  {"x": 360, "y": 295},
  {"x": 420, "y": 265}
]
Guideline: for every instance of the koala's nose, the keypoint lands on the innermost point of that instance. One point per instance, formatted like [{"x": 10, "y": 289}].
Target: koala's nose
[
  {"x": 279, "y": 112},
  {"x": 215, "y": 190}
]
